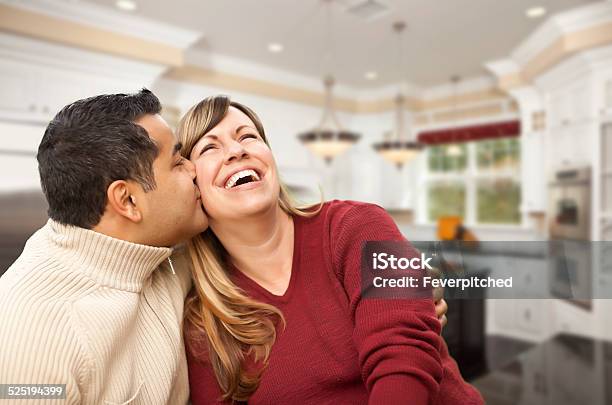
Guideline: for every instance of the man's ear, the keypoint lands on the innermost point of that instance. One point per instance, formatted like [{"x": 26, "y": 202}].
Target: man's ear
[{"x": 123, "y": 201}]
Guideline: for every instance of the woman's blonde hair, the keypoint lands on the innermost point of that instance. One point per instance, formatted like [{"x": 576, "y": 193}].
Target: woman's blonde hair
[{"x": 222, "y": 324}]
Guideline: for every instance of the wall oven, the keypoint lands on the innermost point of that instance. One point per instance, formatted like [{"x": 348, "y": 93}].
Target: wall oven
[
  {"x": 570, "y": 204},
  {"x": 570, "y": 255}
]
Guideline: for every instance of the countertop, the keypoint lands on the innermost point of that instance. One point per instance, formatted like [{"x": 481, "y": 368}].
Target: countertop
[{"x": 565, "y": 370}]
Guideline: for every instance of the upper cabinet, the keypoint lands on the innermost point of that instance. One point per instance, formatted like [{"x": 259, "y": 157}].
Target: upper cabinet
[
  {"x": 532, "y": 172},
  {"x": 571, "y": 105}
]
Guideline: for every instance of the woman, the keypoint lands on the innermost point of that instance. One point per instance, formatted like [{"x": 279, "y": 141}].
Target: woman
[{"x": 276, "y": 314}]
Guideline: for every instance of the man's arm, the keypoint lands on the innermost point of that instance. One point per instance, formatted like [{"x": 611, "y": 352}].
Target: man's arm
[{"x": 38, "y": 346}]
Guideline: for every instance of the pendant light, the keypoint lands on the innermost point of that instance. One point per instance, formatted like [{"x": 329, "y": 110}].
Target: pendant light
[
  {"x": 397, "y": 147},
  {"x": 454, "y": 150},
  {"x": 329, "y": 139}
]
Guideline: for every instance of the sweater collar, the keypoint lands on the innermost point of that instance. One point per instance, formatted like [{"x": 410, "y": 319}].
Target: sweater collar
[{"x": 110, "y": 262}]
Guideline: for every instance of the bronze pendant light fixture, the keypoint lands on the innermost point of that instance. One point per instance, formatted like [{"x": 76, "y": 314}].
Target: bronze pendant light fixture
[
  {"x": 329, "y": 139},
  {"x": 397, "y": 146}
]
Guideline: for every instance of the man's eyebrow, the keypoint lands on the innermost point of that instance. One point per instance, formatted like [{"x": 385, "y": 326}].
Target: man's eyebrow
[{"x": 177, "y": 148}]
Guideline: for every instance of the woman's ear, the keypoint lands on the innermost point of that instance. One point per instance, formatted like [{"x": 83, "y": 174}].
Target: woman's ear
[{"x": 122, "y": 201}]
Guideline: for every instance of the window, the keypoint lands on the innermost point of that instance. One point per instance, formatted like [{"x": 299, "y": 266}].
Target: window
[
  {"x": 448, "y": 158},
  {"x": 498, "y": 202},
  {"x": 446, "y": 198},
  {"x": 498, "y": 154},
  {"x": 478, "y": 181}
]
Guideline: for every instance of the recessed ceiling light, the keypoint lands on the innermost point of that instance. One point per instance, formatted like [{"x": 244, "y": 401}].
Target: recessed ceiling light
[
  {"x": 371, "y": 75},
  {"x": 126, "y": 5},
  {"x": 535, "y": 12},
  {"x": 275, "y": 47}
]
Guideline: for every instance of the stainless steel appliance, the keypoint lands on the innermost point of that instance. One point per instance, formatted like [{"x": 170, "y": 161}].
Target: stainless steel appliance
[
  {"x": 570, "y": 232},
  {"x": 570, "y": 204}
]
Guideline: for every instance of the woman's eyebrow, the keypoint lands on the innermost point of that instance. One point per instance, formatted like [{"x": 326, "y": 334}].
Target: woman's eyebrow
[{"x": 244, "y": 126}]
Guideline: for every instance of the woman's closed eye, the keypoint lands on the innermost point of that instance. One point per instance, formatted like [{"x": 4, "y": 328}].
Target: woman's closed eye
[
  {"x": 206, "y": 148},
  {"x": 246, "y": 136}
]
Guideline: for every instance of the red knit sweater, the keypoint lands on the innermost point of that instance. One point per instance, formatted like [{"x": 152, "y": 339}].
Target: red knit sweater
[{"x": 337, "y": 348}]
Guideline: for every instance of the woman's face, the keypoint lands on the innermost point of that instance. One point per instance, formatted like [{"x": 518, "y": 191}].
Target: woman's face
[{"x": 235, "y": 169}]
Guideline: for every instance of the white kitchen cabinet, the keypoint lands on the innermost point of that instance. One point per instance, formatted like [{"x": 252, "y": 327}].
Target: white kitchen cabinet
[
  {"x": 530, "y": 315},
  {"x": 533, "y": 173},
  {"x": 571, "y": 105},
  {"x": 504, "y": 311},
  {"x": 570, "y": 146},
  {"x": 534, "y": 382},
  {"x": 521, "y": 314},
  {"x": 572, "y": 125},
  {"x": 35, "y": 95},
  {"x": 19, "y": 173},
  {"x": 531, "y": 281},
  {"x": 18, "y": 91},
  {"x": 559, "y": 111}
]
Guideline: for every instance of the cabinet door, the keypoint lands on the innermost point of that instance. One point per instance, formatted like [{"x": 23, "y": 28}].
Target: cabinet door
[
  {"x": 571, "y": 105},
  {"x": 558, "y": 151},
  {"x": 17, "y": 91},
  {"x": 581, "y": 103},
  {"x": 533, "y": 172},
  {"x": 559, "y": 109},
  {"x": 530, "y": 315},
  {"x": 505, "y": 314},
  {"x": 534, "y": 379},
  {"x": 570, "y": 145}
]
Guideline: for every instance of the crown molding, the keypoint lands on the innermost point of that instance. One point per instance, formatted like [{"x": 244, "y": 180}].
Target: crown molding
[
  {"x": 560, "y": 24},
  {"x": 105, "y": 18},
  {"x": 44, "y": 54},
  {"x": 465, "y": 86},
  {"x": 503, "y": 67},
  {"x": 579, "y": 65},
  {"x": 565, "y": 35}
]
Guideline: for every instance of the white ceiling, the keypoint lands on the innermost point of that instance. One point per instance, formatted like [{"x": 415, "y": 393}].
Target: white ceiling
[{"x": 444, "y": 37}]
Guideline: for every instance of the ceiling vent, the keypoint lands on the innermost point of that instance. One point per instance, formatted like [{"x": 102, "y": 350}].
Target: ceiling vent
[{"x": 367, "y": 9}]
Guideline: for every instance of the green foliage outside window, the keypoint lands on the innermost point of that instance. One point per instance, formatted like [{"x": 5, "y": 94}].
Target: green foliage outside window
[
  {"x": 446, "y": 199},
  {"x": 498, "y": 202},
  {"x": 448, "y": 158},
  {"x": 497, "y": 198}
]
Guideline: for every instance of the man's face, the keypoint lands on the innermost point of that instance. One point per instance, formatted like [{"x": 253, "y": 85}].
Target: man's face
[{"x": 172, "y": 212}]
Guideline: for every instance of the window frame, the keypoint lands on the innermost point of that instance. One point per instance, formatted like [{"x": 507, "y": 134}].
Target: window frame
[{"x": 470, "y": 178}]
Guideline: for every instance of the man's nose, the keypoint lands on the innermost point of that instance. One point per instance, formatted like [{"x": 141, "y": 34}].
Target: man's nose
[{"x": 190, "y": 168}]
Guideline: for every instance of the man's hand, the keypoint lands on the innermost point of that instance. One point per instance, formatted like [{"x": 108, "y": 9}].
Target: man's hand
[
  {"x": 438, "y": 294},
  {"x": 441, "y": 310}
]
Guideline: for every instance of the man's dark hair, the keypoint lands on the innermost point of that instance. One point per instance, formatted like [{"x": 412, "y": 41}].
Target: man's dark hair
[{"x": 88, "y": 145}]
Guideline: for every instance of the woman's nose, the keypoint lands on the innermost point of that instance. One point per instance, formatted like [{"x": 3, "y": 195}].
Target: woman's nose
[{"x": 235, "y": 151}]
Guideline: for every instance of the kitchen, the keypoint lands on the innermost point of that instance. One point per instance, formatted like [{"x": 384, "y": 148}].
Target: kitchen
[{"x": 482, "y": 122}]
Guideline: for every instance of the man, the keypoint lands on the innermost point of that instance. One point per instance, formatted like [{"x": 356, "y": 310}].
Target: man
[{"x": 93, "y": 301}]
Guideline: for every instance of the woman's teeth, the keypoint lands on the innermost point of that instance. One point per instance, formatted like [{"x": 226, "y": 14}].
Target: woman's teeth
[{"x": 231, "y": 182}]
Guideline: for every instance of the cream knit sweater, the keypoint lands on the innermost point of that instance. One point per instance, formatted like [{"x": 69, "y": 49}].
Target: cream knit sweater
[{"x": 101, "y": 315}]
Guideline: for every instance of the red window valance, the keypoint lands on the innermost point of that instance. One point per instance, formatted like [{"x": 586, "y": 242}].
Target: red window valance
[{"x": 479, "y": 132}]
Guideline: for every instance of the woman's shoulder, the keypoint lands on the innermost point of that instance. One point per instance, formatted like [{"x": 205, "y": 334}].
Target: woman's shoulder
[
  {"x": 349, "y": 212},
  {"x": 339, "y": 208},
  {"x": 341, "y": 219}
]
